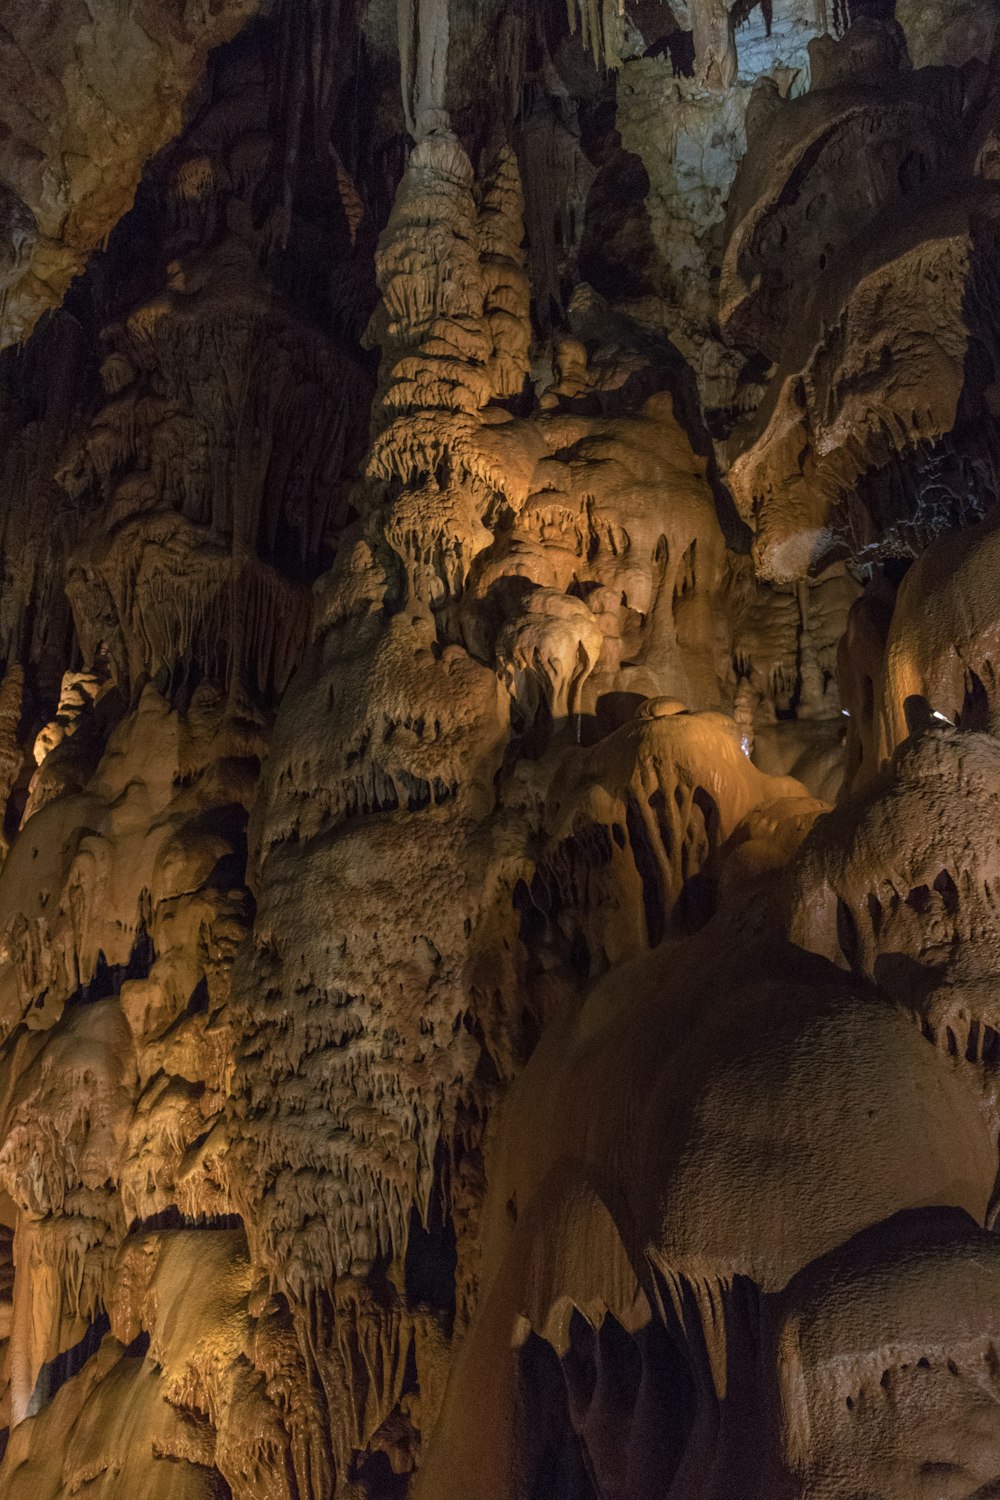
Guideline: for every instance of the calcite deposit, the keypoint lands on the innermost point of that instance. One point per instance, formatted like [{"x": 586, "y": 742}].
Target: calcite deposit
[{"x": 499, "y": 761}]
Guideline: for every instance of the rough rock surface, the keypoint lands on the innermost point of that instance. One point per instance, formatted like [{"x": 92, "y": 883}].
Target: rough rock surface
[
  {"x": 92, "y": 89},
  {"x": 499, "y": 650}
]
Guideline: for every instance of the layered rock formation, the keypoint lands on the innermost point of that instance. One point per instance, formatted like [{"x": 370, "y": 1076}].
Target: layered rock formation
[{"x": 498, "y": 918}]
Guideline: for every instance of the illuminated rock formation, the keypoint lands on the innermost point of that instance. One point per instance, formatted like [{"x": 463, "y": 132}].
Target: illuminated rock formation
[
  {"x": 92, "y": 90},
  {"x": 887, "y": 313},
  {"x": 498, "y": 750}
]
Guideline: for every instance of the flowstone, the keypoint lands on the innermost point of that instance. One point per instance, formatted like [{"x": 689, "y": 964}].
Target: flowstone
[{"x": 499, "y": 640}]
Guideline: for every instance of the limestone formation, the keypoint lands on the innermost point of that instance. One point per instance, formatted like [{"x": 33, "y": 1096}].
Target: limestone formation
[
  {"x": 499, "y": 712},
  {"x": 93, "y": 88}
]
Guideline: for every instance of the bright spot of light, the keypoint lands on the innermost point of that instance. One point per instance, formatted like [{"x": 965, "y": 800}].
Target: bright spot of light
[
  {"x": 845, "y": 713},
  {"x": 943, "y": 718}
]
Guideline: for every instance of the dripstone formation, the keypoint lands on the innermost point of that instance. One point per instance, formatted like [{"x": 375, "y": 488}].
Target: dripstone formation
[{"x": 499, "y": 760}]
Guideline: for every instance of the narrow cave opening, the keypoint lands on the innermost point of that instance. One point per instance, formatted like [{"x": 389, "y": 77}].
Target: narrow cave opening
[
  {"x": 107, "y": 979},
  {"x": 70, "y": 1362},
  {"x": 558, "y": 1463},
  {"x": 975, "y": 711},
  {"x": 377, "y": 1479},
  {"x": 648, "y": 869},
  {"x": 852, "y": 11},
  {"x": 431, "y": 1259}
]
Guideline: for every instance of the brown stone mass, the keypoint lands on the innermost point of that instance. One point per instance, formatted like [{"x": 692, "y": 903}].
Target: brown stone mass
[{"x": 500, "y": 750}]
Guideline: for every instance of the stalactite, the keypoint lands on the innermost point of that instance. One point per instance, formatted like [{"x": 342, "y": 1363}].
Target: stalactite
[
  {"x": 432, "y": 955},
  {"x": 558, "y": 177},
  {"x": 601, "y": 28},
  {"x": 423, "y": 27},
  {"x": 716, "y": 61},
  {"x": 11, "y": 752}
]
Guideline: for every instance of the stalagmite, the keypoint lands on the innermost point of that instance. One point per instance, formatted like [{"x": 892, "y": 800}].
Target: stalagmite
[{"x": 499, "y": 938}]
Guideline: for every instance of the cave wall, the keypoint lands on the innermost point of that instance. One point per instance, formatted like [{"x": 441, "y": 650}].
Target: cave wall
[{"x": 498, "y": 893}]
